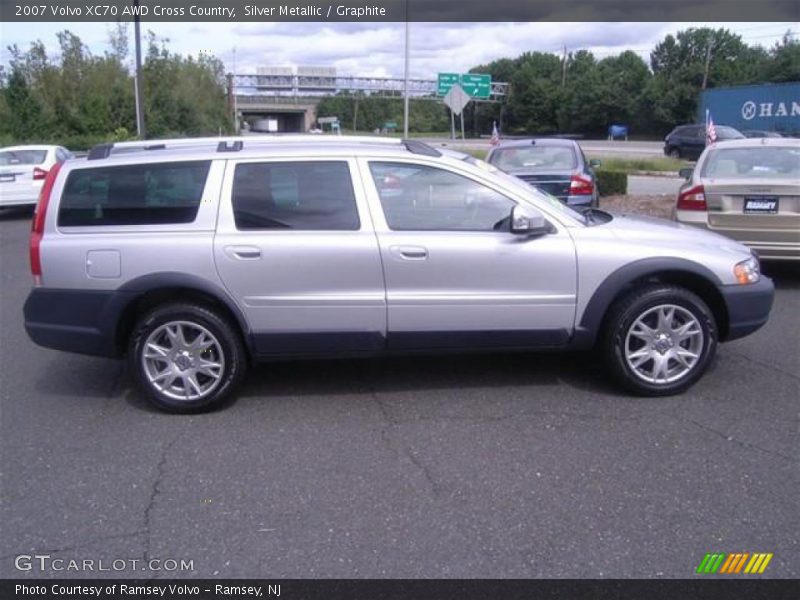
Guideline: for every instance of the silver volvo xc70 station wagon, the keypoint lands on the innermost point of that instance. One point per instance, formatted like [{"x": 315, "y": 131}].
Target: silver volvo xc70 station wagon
[{"x": 196, "y": 258}]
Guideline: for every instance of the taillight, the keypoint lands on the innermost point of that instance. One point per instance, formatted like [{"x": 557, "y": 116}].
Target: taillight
[
  {"x": 580, "y": 186},
  {"x": 39, "y": 173},
  {"x": 37, "y": 226},
  {"x": 693, "y": 199}
]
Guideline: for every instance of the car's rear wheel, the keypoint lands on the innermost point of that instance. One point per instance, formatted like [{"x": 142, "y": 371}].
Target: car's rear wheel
[
  {"x": 660, "y": 339},
  {"x": 186, "y": 358},
  {"x": 675, "y": 153}
]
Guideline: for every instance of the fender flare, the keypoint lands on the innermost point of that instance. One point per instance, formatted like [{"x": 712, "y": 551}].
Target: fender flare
[
  {"x": 135, "y": 288},
  {"x": 588, "y": 328}
]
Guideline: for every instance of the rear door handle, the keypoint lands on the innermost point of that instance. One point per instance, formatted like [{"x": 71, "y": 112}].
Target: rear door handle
[
  {"x": 243, "y": 252},
  {"x": 410, "y": 252}
]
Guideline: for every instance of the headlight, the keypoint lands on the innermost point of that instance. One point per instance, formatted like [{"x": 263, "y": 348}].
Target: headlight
[{"x": 747, "y": 271}]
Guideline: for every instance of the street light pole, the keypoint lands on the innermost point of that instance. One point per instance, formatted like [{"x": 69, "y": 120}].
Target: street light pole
[
  {"x": 233, "y": 89},
  {"x": 405, "y": 81},
  {"x": 140, "y": 128}
]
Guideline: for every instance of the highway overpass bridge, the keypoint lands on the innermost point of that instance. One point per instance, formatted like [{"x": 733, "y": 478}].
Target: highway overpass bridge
[{"x": 289, "y": 101}]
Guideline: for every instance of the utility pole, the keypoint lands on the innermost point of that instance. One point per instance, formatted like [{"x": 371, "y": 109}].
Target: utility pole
[
  {"x": 708, "y": 63},
  {"x": 140, "y": 129},
  {"x": 564, "y": 68}
]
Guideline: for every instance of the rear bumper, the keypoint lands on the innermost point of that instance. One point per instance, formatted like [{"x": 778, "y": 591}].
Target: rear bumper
[
  {"x": 78, "y": 321},
  {"x": 748, "y": 307},
  {"x": 20, "y": 194},
  {"x": 768, "y": 244}
]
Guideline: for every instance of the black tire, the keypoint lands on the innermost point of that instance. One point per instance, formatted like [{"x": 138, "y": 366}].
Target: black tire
[
  {"x": 622, "y": 316},
  {"x": 228, "y": 346},
  {"x": 675, "y": 153}
]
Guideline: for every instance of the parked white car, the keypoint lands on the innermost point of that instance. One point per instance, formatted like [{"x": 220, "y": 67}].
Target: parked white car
[{"x": 23, "y": 169}]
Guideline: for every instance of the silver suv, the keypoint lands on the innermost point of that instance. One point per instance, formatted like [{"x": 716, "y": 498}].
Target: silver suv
[{"x": 196, "y": 258}]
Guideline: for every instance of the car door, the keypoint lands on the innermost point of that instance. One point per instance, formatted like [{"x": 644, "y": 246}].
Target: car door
[
  {"x": 296, "y": 250},
  {"x": 455, "y": 275},
  {"x": 696, "y": 142}
]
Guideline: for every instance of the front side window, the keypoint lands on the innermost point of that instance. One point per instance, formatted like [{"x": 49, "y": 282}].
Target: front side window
[
  {"x": 146, "y": 194},
  {"x": 310, "y": 196},
  {"x": 422, "y": 198}
]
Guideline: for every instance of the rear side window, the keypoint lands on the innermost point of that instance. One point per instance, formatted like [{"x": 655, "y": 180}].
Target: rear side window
[
  {"x": 148, "y": 194},
  {"x": 311, "y": 196}
]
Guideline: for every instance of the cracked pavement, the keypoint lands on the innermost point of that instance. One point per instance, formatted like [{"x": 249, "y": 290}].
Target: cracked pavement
[{"x": 464, "y": 466}]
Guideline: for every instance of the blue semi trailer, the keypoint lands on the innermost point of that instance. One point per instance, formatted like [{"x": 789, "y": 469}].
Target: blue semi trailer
[{"x": 772, "y": 107}]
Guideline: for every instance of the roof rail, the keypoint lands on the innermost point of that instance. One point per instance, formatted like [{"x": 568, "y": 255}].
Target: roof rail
[{"x": 238, "y": 143}]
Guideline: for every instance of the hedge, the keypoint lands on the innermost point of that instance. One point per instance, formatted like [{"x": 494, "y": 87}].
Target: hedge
[{"x": 611, "y": 183}]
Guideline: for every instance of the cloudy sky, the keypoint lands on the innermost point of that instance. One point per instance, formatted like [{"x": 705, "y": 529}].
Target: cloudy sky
[{"x": 376, "y": 49}]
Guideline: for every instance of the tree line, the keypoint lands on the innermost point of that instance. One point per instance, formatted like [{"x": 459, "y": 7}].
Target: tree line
[
  {"x": 581, "y": 94},
  {"x": 78, "y": 99}
]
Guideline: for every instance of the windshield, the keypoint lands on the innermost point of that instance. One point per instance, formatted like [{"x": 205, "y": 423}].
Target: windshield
[
  {"x": 765, "y": 162},
  {"x": 535, "y": 158},
  {"x": 22, "y": 157},
  {"x": 526, "y": 188},
  {"x": 728, "y": 133}
]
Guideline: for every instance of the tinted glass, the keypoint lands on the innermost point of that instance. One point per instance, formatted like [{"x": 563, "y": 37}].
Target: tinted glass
[
  {"x": 421, "y": 198},
  {"x": 535, "y": 158},
  {"x": 748, "y": 163},
  {"x": 728, "y": 133},
  {"x": 22, "y": 157},
  {"x": 294, "y": 195},
  {"x": 151, "y": 194}
]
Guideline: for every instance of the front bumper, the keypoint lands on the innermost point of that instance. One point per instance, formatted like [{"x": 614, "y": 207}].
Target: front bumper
[{"x": 748, "y": 307}]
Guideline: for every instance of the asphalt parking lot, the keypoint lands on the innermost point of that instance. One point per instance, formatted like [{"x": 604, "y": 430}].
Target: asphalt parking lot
[{"x": 472, "y": 466}]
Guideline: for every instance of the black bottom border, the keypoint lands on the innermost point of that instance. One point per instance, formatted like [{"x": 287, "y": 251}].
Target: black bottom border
[{"x": 406, "y": 589}]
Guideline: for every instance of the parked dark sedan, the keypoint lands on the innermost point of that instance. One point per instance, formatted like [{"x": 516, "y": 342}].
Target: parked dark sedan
[
  {"x": 689, "y": 141},
  {"x": 553, "y": 165}
]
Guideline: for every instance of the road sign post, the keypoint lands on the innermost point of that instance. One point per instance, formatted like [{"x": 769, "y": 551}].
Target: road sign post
[{"x": 456, "y": 98}]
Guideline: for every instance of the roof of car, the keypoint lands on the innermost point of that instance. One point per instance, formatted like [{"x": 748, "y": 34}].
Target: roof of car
[
  {"x": 541, "y": 141},
  {"x": 32, "y": 147},
  {"x": 756, "y": 142},
  {"x": 264, "y": 146}
]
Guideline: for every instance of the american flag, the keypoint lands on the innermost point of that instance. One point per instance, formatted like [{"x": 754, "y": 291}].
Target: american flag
[
  {"x": 495, "y": 135},
  {"x": 711, "y": 131}
]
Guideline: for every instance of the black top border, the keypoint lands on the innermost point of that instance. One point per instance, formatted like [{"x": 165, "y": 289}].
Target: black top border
[{"x": 234, "y": 11}]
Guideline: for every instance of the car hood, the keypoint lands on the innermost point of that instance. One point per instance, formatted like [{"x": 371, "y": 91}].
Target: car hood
[{"x": 654, "y": 231}]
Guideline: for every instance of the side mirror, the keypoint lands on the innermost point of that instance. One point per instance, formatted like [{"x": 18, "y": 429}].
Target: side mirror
[
  {"x": 595, "y": 162},
  {"x": 686, "y": 173},
  {"x": 526, "y": 220}
]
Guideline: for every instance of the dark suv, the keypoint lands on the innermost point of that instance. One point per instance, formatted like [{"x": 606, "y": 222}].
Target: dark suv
[{"x": 689, "y": 141}]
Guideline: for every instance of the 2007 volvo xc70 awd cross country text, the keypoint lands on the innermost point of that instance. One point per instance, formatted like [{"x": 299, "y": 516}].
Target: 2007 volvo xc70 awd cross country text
[{"x": 196, "y": 258}]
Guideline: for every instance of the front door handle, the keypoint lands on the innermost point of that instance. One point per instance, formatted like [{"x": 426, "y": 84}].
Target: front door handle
[
  {"x": 243, "y": 252},
  {"x": 410, "y": 252}
]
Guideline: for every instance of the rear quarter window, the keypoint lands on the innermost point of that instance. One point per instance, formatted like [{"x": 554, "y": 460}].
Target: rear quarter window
[{"x": 147, "y": 194}]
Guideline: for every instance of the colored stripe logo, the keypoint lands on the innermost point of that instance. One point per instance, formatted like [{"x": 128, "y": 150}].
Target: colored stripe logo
[{"x": 734, "y": 563}]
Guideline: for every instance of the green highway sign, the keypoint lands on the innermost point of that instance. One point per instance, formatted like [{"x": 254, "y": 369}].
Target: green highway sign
[
  {"x": 475, "y": 84},
  {"x": 446, "y": 81}
]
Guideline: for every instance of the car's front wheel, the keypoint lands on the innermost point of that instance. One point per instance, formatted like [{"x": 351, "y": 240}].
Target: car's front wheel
[
  {"x": 186, "y": 358},
  {"x": 675, "y": 153},
  {"x": 660, "y": 339}
]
